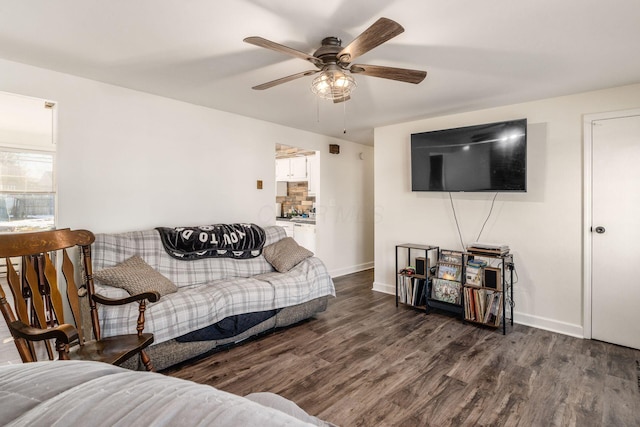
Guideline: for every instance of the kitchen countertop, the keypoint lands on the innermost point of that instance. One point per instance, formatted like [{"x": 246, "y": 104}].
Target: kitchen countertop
[{"x": 298, "y": 220}]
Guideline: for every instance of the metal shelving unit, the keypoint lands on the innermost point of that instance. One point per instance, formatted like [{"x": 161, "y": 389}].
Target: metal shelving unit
[
  {"x": 413, "y": 248},
  {"x": 507, "y": 266}
]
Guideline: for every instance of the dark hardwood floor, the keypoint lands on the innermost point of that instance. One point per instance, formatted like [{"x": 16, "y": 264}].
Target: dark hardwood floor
[{"x": 365, "y": 362}]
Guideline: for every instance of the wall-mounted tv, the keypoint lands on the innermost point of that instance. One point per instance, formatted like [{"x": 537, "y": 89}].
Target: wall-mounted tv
[{"x": 489, "y": 157}]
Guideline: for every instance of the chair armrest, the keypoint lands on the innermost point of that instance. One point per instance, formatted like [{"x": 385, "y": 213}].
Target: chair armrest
[
  {"x": 65, "y": 332},
  {"x": 152, "y": 296}
]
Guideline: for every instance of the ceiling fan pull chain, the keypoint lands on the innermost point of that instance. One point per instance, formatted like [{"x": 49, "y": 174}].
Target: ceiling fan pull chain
[
  {"x": 344, "y": 114},
  {"x": 318, "y": 109}
]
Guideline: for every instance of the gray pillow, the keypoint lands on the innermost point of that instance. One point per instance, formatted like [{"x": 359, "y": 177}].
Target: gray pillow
[
  {"x": 285, "y": 254},
  {"x": 135, "y": 276}
]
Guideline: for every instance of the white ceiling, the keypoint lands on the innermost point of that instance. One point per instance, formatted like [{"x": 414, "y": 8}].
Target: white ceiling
[{"x": 478, "y": 53}]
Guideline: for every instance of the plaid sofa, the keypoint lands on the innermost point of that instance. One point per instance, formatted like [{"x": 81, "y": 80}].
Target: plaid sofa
[{"x": 209, "y": 289}]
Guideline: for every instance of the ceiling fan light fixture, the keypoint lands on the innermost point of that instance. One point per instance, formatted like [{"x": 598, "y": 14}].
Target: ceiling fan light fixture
[{"x": 333, "y": 83}]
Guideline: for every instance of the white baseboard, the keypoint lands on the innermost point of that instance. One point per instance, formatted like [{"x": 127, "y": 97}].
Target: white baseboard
[
  {"x": 549, "y": 324},
  {"x": 353, "y": 269},
  {"x": 520, "y": 318},
  {"x": 384, "y": 288}
]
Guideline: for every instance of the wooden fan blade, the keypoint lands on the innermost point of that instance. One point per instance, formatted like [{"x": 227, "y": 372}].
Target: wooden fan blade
[
  {"x": 261, "y": 42},
  {"x": 382, "y": 30},
  {"x": 400, "y": 74},
  {"x": 284, "y": 80}
]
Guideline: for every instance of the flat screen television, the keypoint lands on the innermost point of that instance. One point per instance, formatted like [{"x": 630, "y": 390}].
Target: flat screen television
[{"x": 490, "y": 157}]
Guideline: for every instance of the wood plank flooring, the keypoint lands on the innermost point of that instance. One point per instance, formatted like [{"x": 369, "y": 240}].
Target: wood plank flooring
[{"x": 365, "y": 362}]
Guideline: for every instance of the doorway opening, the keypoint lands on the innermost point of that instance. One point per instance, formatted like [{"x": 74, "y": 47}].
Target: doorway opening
[{"x": 297, "y": 192}]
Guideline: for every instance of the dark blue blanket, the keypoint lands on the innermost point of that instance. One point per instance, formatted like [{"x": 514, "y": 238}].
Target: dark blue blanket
[{"x": 228, "y": 327}]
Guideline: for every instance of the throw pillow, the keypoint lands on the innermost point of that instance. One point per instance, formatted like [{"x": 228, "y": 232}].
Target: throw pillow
[
  {"x": 136, "y": 276},
  {"x": 285, "y": 254}
]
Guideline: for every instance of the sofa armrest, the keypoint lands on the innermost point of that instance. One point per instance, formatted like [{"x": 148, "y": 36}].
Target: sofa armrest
[{"x": 152, "y": 296}]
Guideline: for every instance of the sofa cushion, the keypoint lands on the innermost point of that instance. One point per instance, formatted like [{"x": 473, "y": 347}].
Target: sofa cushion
[
  {"x": 112, "y": 249},
  {"x": 136, "y": 276},
  {"x": 285, "y": 254}
]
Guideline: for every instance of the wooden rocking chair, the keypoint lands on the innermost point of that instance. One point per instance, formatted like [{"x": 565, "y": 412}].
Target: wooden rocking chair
[{"x": 38, "y": 303}]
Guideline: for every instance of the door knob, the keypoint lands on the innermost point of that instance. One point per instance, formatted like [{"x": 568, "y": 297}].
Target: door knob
[{"x": 600, "y": 230}]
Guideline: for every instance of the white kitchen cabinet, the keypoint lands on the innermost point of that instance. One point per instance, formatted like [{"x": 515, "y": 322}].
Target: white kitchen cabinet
[
  {"x": 291, "y": 169},
  {"x": 282, "y": 169},
  {"x": 305, "y": 235},
  {"x": 288, "y": 227},
  {"x": 298, "y": 168}
]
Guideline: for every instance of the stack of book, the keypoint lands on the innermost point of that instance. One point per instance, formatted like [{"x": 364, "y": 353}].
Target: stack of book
[
  {"x": 483, "y": 306},
  {"x": 411, "y": 290}
]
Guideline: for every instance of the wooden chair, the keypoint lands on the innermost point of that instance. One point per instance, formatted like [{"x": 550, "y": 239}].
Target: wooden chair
[{"x": 37, "y": 297}]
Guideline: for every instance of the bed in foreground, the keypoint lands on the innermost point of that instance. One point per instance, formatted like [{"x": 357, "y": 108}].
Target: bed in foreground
[{"x": 74, "y": 393}]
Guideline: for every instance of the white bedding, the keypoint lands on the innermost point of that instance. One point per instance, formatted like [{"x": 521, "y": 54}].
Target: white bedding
[{"x": 77, "y": 393}]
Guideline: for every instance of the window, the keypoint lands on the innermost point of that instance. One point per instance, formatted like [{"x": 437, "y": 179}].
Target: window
[
  {"x": 27, "y": 199},
  {"x": 27, "y": 159}
]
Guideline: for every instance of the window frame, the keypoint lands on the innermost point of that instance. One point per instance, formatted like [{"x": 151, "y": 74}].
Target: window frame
[{"x": 49, "y": 147}]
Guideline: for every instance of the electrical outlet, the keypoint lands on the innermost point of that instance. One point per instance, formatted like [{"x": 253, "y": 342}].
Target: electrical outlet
[{"x": 259, "y": 184}]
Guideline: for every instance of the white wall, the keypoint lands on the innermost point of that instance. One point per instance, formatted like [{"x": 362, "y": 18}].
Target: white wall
[
  {"x": 543, "y": 226},
  {"x": 344, "y": 238},
  {"x": 128, "y": 160}
]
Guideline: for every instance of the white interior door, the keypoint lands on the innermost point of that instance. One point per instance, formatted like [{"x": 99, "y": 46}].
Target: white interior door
[{"x": 615, "y": 238}]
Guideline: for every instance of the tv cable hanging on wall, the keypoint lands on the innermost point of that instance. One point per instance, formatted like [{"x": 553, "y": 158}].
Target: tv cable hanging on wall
[{"x": 453, "y": 208}]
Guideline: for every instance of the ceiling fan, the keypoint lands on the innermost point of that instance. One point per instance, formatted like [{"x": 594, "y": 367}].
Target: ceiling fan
[{"x": 333, "y": 62}]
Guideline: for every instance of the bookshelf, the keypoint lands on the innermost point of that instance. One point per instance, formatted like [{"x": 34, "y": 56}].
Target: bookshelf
[
  {"x": 412, "y": 287},
  {"x": 476, "y": 285},
  {"x": 487, "y": 289}
]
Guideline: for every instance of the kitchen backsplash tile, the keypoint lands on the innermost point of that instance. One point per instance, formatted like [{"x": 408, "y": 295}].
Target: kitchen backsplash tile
[{"x": 297, "y": 197}]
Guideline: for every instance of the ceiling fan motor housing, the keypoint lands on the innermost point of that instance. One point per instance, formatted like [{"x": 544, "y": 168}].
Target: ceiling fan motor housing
[{"x": 329, "y": 50}]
